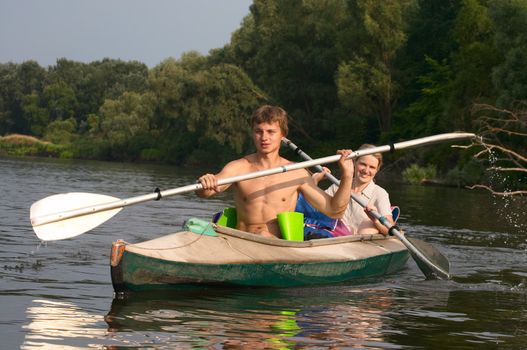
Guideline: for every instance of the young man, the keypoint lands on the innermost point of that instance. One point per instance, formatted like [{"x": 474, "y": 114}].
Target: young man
[{"x": 259, "y": 200}]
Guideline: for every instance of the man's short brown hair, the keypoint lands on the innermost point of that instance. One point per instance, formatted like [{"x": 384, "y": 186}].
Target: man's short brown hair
[{"x": 270, "y": 114}]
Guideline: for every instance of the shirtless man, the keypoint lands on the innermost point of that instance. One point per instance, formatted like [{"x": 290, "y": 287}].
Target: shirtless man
[{"x": 259, "y": 200}]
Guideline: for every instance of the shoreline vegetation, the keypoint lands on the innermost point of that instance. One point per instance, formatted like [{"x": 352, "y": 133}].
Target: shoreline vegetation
[{"x": 19, "y": 145}]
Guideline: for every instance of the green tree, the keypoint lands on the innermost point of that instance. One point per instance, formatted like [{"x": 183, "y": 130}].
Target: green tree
[
  {"x": 227, "y": 99},
  {"x": 510, "y": 76},
  {"x": 426, "y": 114},
  {"x": 200, "y": 105},
  {"x": 31, "y": 77},
  {"x": 35, "y": 115},
  {"x": 61, "y": 131},
  {"x": 288, "y": 49},
  {"x": 73, "y": 75},
  {"x": 60, "y": 101},
  {"x": 126, "y": 119},
  {"x": 475, "y": 57},
  {"x": 365, "y": 76},
  {"x": 20, "y": 89},
  {"x": 97, "y": 81},
  {"x": 8, "y": 100},
  {"x": 424, "y": 71},
  {"x": 448, "y": 87}
]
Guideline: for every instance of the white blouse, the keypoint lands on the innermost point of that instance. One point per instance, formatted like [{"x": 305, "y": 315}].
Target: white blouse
[{"x": 373, "y": 194}]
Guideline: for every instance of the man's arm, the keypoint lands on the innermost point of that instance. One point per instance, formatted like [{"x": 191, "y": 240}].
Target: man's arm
[
  {"x": 210, "y": 181},
  {"x": 332, "y": 206}
]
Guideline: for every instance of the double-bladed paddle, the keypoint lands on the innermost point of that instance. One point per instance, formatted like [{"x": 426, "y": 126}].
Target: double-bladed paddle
[
  {"x": 432, "y": 263},
  {"x": 68, "y": 215}
]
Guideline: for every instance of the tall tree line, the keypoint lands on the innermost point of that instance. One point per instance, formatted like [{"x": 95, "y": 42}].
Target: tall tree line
[{"x": 347, "y": 71}]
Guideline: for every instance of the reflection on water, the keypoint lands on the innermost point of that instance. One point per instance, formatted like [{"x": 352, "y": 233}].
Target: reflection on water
[
  {"x": 217, "y": 318},
  {"x": 374, "y": 315},
  {"x": 253, "y": 318},
  {"x": 56, "y": 323}
]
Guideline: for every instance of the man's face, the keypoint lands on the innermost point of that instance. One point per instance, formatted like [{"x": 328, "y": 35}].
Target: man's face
[{"x": 267, "y": 137}]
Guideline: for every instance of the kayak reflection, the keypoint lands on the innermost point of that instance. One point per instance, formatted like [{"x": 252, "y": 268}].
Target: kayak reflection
[{"x": 253, "y": 318}]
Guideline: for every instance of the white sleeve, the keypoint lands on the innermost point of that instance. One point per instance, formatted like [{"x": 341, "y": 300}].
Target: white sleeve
[
  {"x": 331, "y": 190},
  {"x": 382, "y": 201}
]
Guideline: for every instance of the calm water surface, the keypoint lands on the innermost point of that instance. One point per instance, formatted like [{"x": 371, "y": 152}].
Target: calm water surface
[{"x": 59, "y": 294}]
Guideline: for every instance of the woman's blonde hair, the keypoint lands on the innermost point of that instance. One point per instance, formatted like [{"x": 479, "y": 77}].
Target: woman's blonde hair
[{"x": 377, "y": 155}]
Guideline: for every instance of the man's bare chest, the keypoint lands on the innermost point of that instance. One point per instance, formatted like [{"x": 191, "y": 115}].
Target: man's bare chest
[{"x": 268, "y": 187}]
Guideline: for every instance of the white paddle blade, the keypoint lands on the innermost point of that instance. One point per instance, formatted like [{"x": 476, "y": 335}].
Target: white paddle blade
[{"x": 73, "y": 226}]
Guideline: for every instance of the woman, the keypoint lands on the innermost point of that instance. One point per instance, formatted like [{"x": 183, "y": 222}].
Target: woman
[{"x": 357, "y": 219}]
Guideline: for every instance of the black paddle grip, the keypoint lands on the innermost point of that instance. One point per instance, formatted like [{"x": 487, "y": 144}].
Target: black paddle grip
[
  {"x": 158, "y": 191},
  {"x": 391, "y": 229}
]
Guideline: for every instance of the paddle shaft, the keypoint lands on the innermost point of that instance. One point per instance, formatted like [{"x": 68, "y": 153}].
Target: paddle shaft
[
  {"x": 47, "y": 219},
  {"x": 392, "y": 229},
  {"x": 42, "y": 220}
]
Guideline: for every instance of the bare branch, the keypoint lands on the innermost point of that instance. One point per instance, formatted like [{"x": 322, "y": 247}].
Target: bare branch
[
  {"x": 490, "y": 147},
  {"x": 495, "y": 130},
  {"x": 505, "y": 194},
  {"x": 505, "y": 132},
  {"x": 499, "y": 168},
  {"x": 466, "y": 146}
]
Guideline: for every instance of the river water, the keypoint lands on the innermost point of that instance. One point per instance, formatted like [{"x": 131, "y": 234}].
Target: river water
[{"x": 58, "y": 295}]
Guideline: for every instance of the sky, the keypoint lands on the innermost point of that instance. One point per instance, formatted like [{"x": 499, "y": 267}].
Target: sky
[{"x": 148, "y": 31}]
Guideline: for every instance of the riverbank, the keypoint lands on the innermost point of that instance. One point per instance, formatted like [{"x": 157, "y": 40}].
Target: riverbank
[{"x": 19, "y": 145}]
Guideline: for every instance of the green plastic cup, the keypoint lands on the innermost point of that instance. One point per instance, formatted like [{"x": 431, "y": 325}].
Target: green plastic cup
[
  {"x": 291, "y": 225},
  {"x": 228, "y": 218}
]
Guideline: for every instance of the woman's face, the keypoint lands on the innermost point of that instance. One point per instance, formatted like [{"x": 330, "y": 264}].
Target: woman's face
[{"x": 366, "y": 168}]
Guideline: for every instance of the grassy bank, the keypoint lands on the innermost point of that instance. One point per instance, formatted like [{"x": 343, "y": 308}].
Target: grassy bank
[{"x": 24, "y": 145}]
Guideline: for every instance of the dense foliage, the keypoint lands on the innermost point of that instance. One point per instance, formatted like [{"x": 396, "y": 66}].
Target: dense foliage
[{"x": 347, "y": 71}]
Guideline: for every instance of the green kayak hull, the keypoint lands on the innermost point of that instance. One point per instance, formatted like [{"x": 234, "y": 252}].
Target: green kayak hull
[{"x": 234, "y": 257}]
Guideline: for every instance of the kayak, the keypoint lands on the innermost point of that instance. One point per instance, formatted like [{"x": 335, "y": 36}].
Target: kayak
[
  {"x": 233, "y": 257},
  {"x": 227, "y": 256}
]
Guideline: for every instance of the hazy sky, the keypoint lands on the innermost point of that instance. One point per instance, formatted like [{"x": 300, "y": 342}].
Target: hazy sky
[{"x": 87, "y": 30}]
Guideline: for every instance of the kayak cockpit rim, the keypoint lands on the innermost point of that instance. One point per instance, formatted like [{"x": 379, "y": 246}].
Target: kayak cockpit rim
[
  {"x": 297, "y": 244},
  {"x": 227, "y": 231}
]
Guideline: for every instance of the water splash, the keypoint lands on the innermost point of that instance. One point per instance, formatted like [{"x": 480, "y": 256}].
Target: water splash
[
  {"x": 37, "y": 249},
  {"x": 508, "y": 207}
]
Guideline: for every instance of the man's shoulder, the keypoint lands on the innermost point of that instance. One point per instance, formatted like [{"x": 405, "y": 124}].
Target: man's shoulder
[
  {"x": 285, "y": 161},
  {"x": 238, "y": 163},
  {"x": 250, "y": 162}
]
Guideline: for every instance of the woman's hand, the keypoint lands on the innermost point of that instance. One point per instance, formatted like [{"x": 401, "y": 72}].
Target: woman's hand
[
  {"x": 368, "y": 210},
  {"x": 317, "y": 177}
]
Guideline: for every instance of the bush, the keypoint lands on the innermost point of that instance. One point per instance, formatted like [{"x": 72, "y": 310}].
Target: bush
[
  {"x": 415, "y": 174},
  {"x": 24, "y": 145},
  {"x": 150, "y": 155},
  {"x": 468, "y": 174},
  {"x": 89, "y": 148},
  {"x": 61, "y": 131}
]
